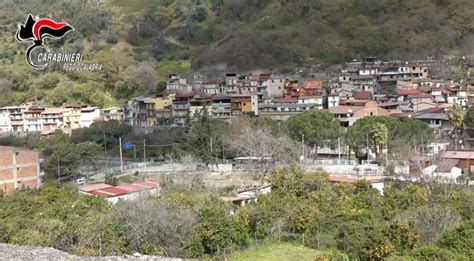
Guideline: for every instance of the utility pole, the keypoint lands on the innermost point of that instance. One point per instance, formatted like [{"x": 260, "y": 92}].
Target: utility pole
[
  {"x": 144, "y": 152},
  {"x": 339, "y": 148},
  {"x": 211, "y": 145},
  {"x": 134, "y": 152},
  {"x": 455, "y": 140},
  {"x": 302, "y": 146},
  {"x": 223, "y": 159},
  {"x": 59, "y": 172},
  {"x": 367, "y": 146},
  {"x": 386, "y": 149},
  {"x": 121, "y": 161}
]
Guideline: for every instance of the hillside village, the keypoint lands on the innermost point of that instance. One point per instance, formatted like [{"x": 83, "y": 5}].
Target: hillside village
[
  {"x": 237, "y": 130},
  {"x": 367, "y": 88},
  {"x": 353, "y": 94},
  {"x": 370, "y": 87}
]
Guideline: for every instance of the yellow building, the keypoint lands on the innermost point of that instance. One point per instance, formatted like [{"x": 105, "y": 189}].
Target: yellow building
[
  {"x": 72, "y": 116},
  {"x": 243, "y": 104},
  {"x": 161, "y": 102},
  {"x": 152, "y": 104}
]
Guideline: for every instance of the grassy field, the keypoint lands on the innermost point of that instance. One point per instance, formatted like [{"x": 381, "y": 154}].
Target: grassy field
[{"x": 276, "y": 252}]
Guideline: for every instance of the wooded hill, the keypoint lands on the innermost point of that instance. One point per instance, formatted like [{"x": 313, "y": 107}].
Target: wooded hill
[{"x": 140, "y": 42}]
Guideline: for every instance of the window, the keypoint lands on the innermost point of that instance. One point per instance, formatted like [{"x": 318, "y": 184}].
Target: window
[
  {"x": 244, "y": 104},
  {"x": 371, "y": 114}
]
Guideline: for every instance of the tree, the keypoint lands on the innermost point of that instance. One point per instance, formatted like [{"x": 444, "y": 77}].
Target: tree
[
  {"x": 205, "y": 137},
  {"x": 456, "y": 115},
  {"x": 258, "y": 143},
  {"x": 460, "y": 239},
  {"x": 469, "y": 121},
  {"x": 380, "y": 134},
  {"x": 427, "y": 253},
  {"x": 409, "y": 137},
  {"x": 199, "y": 14},
  {"x": 456, "y": 118},
  {"x": 105, "y": 133},
  {"x": 216, "y": 232},
  {"x": 65, "y": 160},
  {"x": 360, "y": 136},
  {"x": 431, "y": 222},
  {"x": 6, "y": 87},
  {"x": 155, "y": 227},
  {"x": 141, "y": 77},
  {"x": 317, "y": 128}
]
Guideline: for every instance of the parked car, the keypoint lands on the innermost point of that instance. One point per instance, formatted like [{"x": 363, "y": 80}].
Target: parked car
[
  {"x": 159, "y": 159},
  {"x": 80, "y": 181}
]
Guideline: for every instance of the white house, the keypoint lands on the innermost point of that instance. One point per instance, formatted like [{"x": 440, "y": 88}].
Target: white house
[
  {"x": 317, "y": 101},
  {"x": 89, "y": 115},
  {"x": 443, "y": 171},
  {"x": 5, "y": 123},
  {"x": 333, "y": 100}
]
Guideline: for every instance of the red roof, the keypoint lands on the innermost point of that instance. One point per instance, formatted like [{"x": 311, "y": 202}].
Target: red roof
[
  {"x": 445, "y": 91},
  {"x": 312, "y": 85},
  {"x": 109, "y": 192},
  {"x": 343, "y": 179},
  {"x": 352, "y": 180},
  {"x": 460, "y": 154},
  {"x": 433, "y": 110},
  {"x": 405, "y": 92},
  {"x": 92, "y": 187},
  {"x": 139, "y": 186},
  {"x": 334, "y": 94},
  {"x": 361, "y": 95},
  {"x": 342, "y": 109}
]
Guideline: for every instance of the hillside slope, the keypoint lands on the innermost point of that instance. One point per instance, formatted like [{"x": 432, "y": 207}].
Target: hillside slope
[
  {"x": 254, "y": 34},
  {"x": 140, "y": 42}
]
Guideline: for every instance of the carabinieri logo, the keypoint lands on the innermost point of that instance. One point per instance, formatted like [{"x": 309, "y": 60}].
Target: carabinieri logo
[{"x": 37, "y": 31}]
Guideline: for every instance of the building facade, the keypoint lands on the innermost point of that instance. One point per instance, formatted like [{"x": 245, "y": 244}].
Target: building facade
[{"x": 19, "y": 169}]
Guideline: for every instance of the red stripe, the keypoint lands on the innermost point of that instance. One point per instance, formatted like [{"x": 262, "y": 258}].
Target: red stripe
[{"x": 45, "y": 22}]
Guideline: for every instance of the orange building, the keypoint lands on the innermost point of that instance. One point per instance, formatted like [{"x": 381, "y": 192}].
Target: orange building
[
  {"x": 310, "y": 88},
  {"x": 19, "y": 169}
]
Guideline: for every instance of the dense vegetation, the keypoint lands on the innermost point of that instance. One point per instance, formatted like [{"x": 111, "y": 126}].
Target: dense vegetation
[
  {"x": 140, "y": 42},
  {"x": 343, "y": 221},
  {"x": 209, "y": 141}
]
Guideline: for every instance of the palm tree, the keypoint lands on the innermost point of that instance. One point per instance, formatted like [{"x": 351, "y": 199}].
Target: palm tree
[
  {"x": 379, "y": 134},
  {"x": 456, "y": 118}
]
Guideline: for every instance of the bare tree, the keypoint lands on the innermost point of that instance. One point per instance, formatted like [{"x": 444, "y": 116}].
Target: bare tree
[
  {"x": 440, "y": 69},
  {"x": 156, "y": 223},
  {"x": 191, "y": 165},
  {"x": 431, "y": 222},
  {"x": 258, "y": 143}
]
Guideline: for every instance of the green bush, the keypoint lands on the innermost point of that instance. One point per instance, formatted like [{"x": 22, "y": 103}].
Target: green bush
[
  {"x": 429, "y": 253},
  {"x": 331, "y": 255}
]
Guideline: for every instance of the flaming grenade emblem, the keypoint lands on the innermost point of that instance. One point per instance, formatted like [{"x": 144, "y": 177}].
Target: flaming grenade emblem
[{"x": 37, "y": 31}]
